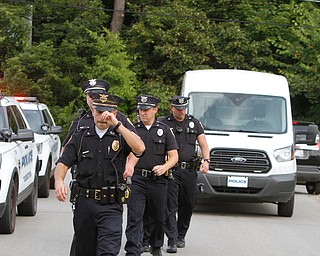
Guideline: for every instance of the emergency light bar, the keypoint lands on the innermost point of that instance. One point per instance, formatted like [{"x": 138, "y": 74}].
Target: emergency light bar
[{"x": 28, "y": 99}]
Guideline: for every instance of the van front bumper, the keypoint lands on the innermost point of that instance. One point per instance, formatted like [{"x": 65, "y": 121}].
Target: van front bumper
[{"x": 274, "y": 188}]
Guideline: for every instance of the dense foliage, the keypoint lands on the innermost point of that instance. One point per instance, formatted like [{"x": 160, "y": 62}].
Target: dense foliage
[{"x": 158, "y": 42}]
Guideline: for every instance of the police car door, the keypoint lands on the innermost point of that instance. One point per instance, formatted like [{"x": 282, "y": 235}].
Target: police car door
[
  {"x": 25, "y": 150},
  {"x": 55, "y": 142}
]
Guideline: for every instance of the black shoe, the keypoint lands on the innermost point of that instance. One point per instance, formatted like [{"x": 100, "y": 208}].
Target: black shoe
[
  {"x": 156, "y": 251},
  {"x": 145, "y": 248},
  {"x": 172, "y": 248},
  {"x": 181, "y": 243}
]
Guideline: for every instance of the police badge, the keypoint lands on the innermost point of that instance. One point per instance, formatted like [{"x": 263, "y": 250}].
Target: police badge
[
  {"x": 160, "y": 132},
  {"x": 115, "y": 145}
]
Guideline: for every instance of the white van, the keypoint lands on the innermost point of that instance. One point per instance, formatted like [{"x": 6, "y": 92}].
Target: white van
[{"x": 248, "y": 125}]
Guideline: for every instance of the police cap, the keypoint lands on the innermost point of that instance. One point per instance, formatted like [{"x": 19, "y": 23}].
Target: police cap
[
  {"x": 147, "y": 101},
  {"x": 179, "y": 102},
  {"x": 94, "y": 86},
  {"x": 106, "y": 102}
]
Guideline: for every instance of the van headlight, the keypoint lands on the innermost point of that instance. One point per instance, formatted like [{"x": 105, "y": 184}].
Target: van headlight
[{"x": 284, "y": 154}]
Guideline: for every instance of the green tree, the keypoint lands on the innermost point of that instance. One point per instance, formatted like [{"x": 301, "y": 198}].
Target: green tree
[
  {"x": 167, "y": 41},
  {"x": 13, "y": 27}
]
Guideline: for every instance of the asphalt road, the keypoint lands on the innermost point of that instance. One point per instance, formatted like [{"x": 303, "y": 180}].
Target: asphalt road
[{"x": 217, "y": 229}]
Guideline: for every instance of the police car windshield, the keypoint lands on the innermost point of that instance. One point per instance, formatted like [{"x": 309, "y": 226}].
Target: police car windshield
[
  {"x": 239, "y": 112},
  {"x": 34, "y": 119}
]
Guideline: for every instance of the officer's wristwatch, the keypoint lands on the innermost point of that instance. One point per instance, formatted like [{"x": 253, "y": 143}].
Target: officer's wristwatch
[
  {"x": 206, "y": 160},
  {"x": 118, "y": 125}
]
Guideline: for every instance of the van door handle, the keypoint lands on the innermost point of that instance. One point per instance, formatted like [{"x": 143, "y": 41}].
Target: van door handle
[{"x": 26, "y": 146}]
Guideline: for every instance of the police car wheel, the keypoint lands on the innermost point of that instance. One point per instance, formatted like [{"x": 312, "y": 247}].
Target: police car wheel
[
  {"x": 29, "y": 206},
  {"x": 8, "y": 220},
  {"x": 44, "y": 189}
]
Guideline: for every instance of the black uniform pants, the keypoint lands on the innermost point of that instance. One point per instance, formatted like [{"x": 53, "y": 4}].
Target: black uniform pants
[
  {"x": 98, "y": 228},
  {"x": 150, "y": 193},
  {"x": 182, "y": 194}
]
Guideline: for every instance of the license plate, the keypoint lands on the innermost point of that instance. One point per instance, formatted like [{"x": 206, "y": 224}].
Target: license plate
[{"x": 238, "y": 182}]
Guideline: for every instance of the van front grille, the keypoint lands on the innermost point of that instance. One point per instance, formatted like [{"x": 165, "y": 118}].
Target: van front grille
[{"x": 237, "y": 160}]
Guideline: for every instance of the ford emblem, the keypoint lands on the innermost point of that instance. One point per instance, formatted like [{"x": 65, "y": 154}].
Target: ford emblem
[{"x": 238, "y": 159}]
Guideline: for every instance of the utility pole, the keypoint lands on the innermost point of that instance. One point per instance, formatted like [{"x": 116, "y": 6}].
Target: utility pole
[
  {"x": 29, "y": 24},
  {"x": 118, "y": 16}
]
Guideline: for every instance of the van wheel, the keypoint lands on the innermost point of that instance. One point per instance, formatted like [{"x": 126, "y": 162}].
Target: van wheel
[
  {"x": 8, "y": 220},
  {"x": 311, "y": 187},
  {"x": 44, "y": 189},
  {"x": 29, "y": 206},
  {"x": 317, "y": 188},
  {"x": 286, "y": 209}
]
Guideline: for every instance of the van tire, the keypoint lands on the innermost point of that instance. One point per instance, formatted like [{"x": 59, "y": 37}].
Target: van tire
[
  {"x": 317, "y": 188},
  {"x": 29, "y": 206},
  {"x": 8, "y": 220},
  {"x": 286, "y": 209},
  {"x": 44, "y": 189},
  {"x": 311, "y": 187}
]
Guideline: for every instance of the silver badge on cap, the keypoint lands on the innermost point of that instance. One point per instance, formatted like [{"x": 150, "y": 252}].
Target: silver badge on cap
[
  {"x": 191, "y": 125},
  {"x": 92, "y": 82},
  {"x": 144, "y": 99},
  {"x": 181, "y": 100},
  {"x": 160, "y": 132}
]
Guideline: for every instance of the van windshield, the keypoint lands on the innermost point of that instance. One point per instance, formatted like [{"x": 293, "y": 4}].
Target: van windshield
[{"x": 239, "y": 112}]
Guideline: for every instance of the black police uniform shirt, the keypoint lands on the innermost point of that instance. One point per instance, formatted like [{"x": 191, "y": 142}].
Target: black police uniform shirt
[
  {"x": 85, "y": 119},
  {"x": 158, "y": 140},
  {"x": 186, "y": 133},
  {"x": 100, "y": 161}
]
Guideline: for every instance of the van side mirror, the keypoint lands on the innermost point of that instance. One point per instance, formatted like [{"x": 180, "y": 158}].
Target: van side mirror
[{"x": 307, "y": 135}]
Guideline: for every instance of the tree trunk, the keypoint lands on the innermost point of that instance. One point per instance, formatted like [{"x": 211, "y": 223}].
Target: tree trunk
[{"x": 118, "y": 16}]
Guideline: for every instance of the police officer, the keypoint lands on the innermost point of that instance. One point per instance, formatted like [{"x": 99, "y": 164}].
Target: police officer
[
  {"x": 100, "y": 153},
  {"x": 149, "y": 182},
  {"x": 91, "y": 88},
  {"x": 182, "y": 190}
]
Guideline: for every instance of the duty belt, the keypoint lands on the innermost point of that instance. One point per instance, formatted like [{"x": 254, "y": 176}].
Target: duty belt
[
  {"x": 184, "y": 165},
  {"x": 104, "y": 195},
  {"x": 148, "y": 174}
]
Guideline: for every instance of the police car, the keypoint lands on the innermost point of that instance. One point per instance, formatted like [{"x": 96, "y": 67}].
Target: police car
[
  {"x": 18, "y": 161},
  {"x": 47, "y": 139}
]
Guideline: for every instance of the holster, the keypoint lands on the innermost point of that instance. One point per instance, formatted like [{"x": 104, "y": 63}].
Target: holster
[
  {"x": 73, "y": 191},
  {"x": 196, "y": 164},
  {"x": 123, "y": 193}
]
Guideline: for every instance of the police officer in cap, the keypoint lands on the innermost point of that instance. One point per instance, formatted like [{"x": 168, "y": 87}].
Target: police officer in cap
[
  {"x": 182, "y": 190},
  {"x": 91, "y": 88},
  {"x": 149, "y": 182},
  {"x": 100, "y": 152}
]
